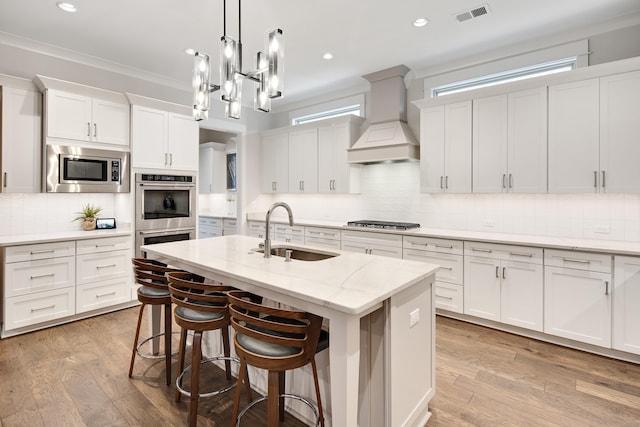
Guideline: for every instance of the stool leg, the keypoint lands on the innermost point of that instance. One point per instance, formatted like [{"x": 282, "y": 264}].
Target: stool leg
[
  {"x": 195, "y": 378},
  {"x": 227, "y": 350},
  {"x": 273, "y": 389},
  {"x": 181, "y": 353},
  {"x": 317, "y": 385},
  {"x": 281, "y": 386},
  {"x": 167, "y": 341},
  {"x": 236, "y": 399},
  {"x": 135, "y": 340}
]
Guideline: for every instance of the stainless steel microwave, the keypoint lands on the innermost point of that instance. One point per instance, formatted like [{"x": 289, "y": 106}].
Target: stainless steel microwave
[{"x": 70, "y": 169}]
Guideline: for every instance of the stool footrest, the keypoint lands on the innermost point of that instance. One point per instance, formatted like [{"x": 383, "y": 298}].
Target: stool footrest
[
  {"x": 211, "y": 393},
  {"x": 153, "y": 356},
  {"x": 286, "y": 396}
]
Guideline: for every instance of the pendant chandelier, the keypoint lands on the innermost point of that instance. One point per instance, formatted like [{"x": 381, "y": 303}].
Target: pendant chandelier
[{"x": 267, "y": 75}]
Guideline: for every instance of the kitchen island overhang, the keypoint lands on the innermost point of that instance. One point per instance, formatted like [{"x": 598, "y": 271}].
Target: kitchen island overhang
[{"x": 343, "y": 289}]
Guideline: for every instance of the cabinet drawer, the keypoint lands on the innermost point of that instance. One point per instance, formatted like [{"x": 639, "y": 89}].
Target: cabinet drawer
[
  {"x": 322, "y": 233},
  {"x": 39, "y": 251},
  {"x": 449, "y": 297},
  {"x": 92, "y": 267},
  {"x": 42, "y": 275},
  {"x": 28, "y": 310},
  {"x": 207, "y": 220},
  {"x": 288, "y": 237},
  {"x": 504, "y": 252},
  {"x": 578, "y": 260},
  {"x": 101, "y": 294},
  {"x": 369, "y": 238},
  {"x": 296, "y": 230},
  {"x": 93, "y": 246},
  {"x": 229, "y": 223},
  {"x": 322, "y": 242},
  {"x": 433, "y": 244},
  {"x": 257, "y": 229},
  {"x": 451, "y": 266}
]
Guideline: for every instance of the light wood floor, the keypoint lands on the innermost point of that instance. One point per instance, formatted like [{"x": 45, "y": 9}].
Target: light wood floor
[{"x": 76, "y": 375}]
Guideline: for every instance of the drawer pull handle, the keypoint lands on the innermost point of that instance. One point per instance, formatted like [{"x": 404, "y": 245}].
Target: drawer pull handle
[
  {"x": 98, "y": 267},
  {"x": 42, "y": 275},
  {"x": 444, "y": 297},
  {"x": 497, "y": 269},
  {"x": 504, "y": 272},
  {"x": 488, "y": 251},
  {"x": 606, "y": 287},
  {"x": 105, "y": 295},
  {"x": 104, "y": 246},
  {"x": 46, "y": 251},
  {"x": 581, "y": 261},
  {"x": 43, "y": 308},
  {"x": 419, "y": 244},
  {"x": 446, "y": 268},
  {"x": 444, "y": 246},
  {"x": 521, "y": 254}
]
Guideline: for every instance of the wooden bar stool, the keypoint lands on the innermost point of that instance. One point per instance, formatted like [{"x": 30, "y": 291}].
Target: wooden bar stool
[
  {"x": 154, "y": 291},
  {"x": 276, "y": 340},
  {"x": 199, "y": 307}
]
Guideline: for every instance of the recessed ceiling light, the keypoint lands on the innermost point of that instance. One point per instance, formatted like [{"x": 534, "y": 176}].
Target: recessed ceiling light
[
  {"x": 327, "y": 55},
  {"x": 420, "y": 22},
  {"x": 190, "y": 51},
  {"x": 67, "y": 7}
]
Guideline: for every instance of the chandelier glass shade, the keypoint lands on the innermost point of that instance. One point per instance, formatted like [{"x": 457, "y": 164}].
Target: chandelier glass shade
[{"x": 267, "y": 76}]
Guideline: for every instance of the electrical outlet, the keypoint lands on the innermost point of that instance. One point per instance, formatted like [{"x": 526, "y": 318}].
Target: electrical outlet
[
  {"x": 414, "y": 317},
  {"x": 489, "y": 223},
  {"x": 602, "y": 229}
]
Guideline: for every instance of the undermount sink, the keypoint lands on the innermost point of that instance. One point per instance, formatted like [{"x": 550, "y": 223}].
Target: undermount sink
[{"x": 299, "y": 253}]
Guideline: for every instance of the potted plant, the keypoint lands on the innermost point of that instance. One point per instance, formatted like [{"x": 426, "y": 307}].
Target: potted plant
[{"x": 88, "y": 216}]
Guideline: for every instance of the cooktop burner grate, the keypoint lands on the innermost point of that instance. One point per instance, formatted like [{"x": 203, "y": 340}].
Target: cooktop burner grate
[{"x": 385, "y": 225}]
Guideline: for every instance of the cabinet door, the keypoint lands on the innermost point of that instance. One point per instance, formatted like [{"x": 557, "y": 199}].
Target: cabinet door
[
  {"x": 335, "y": 174},
  {"x": 527, "y": 142},
  {"x": 149, "y": 137},
  {"x": 620, "y": 133},
  {"x": 275, "y": 163},
  {"x": 573, "y": 137},
  {"x": 68, "y": 115},
  {"x": 388, "y": 251},
  {"x": 482, "y": 287},
  {"x": 577, "y": 305},
  {"x": 21, "y": 140},
  {"x": 626, "y": 300},
  {"x": 432, "y": 136},
  {"x": 490, "y": 144},
  {"x": 183, "y": 142},
  {"x": 110, "y": 122},
  {"x": 457, "y": 152},
  {"x": 303, "y": 161},
  {"x": 521, "y": 294}
]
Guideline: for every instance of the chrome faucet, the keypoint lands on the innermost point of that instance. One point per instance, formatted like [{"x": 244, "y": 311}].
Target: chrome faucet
[{"x": 267, "y": 237}]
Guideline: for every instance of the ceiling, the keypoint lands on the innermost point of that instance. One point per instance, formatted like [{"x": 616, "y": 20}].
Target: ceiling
[{"x": 150, "y": 36}]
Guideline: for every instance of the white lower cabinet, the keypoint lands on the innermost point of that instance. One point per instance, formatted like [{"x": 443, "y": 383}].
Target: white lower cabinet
[
  {"x": 209, "y": 227},
  {"x": 372, "y": 243},
  {"x": 229, "y": 226},
  {"x": 328, "y": 238},
  {"x": 257, "y": 229},
  {"x": 577, "y": 296},
  {"x": 289, "y": 234},
  {"x": 504, "y": 283},
  {"x": 449, "y": 277},
  {"x": 626, "y": 304}
]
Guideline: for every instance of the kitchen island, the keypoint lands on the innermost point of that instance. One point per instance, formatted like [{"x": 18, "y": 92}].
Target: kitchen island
[{"x": 396, "y": 295}]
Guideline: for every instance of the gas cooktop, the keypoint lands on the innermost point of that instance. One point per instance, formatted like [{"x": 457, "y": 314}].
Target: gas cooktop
[{"x": 386, "y": 225}]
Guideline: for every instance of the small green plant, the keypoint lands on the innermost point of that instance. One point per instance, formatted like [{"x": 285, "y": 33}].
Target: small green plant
[{"x": 89, "y": 211}]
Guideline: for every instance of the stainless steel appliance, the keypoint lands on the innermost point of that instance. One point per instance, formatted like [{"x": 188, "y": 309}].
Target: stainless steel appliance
[
  {"x": 165, "y": 208},
  {"x": 70, "y": 169},
  {"x": 385, "y": 225}
]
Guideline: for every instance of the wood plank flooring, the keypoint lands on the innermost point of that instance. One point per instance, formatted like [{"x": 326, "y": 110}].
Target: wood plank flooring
[{"x": 76, "y": 375}]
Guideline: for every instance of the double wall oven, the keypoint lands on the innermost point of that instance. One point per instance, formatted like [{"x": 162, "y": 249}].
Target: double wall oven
[{"x": 165, "y": 208}]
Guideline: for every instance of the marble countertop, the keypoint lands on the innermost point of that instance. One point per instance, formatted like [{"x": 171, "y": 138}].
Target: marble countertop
[
  {"x": 29, "y": 239},
  {"x": 549, "y": 242},
  {"x": 351, "y": 283}
]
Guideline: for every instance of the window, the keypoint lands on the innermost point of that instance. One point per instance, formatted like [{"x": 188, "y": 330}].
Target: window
[
  {"x": 506, "y": 77},
  {"x": 336, "y": 112}
]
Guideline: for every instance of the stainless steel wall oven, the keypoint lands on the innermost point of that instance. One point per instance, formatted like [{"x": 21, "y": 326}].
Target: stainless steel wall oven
[{"x": 165, "y": 208}]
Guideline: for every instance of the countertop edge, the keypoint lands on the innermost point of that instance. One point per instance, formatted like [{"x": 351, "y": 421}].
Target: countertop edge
[{"x": 35, "y": 238}]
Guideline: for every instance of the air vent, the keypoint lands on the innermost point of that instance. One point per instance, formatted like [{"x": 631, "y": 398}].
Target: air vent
[{"x": 473, "y": 13}]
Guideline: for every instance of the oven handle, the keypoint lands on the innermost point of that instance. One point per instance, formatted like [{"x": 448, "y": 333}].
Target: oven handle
[
  {"x": 174, "y": 184},
  {"x": 173, "y": 230}
]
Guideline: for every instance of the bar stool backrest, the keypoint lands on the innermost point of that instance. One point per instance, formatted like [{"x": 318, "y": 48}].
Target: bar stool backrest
[
  {"x": 151, "y": 273},
  {"x": 294, "y": 329}
]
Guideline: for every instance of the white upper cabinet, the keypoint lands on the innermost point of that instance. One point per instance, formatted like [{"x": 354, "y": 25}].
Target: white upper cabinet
[
  {"x": 335, "y": 175},
  {"x": 275, "y": 163},
  {"x": 445, "y": 148},
  {"x": 84, "y": 118},
  {"x": 574, "y": 128},
  {"x": 620, "y": 133},
  {"x": 303, "y": 161},
  {"x": 212, "y": 168},
  {"x": 163, "y": 140},
  {"x": 21, "y": 111},
  {"x": 510, "y": 143}
]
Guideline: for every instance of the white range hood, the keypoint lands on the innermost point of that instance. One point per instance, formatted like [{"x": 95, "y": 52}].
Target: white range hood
[{"x": 388, "y": 137}]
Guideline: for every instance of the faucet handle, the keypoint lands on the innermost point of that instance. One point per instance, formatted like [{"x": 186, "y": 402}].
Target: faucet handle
[{"x": 261, "y": 245}]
